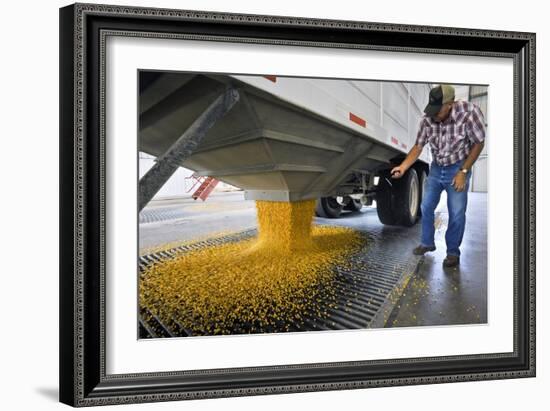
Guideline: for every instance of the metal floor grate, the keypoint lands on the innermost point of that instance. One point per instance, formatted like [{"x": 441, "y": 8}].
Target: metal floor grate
[
  {"x": 160, "y": 214},
  {"x": 366, "y": 292}
]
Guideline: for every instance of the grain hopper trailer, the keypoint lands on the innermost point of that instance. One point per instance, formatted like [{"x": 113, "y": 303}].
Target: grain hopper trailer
[{"x": 287, "y": 138}]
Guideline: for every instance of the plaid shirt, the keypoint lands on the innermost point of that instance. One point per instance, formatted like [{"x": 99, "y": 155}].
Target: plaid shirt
[{"x": 452, "y": 139}]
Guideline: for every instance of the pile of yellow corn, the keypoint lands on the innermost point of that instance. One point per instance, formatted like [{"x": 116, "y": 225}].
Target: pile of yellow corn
[{"x": 268, "y": 281}]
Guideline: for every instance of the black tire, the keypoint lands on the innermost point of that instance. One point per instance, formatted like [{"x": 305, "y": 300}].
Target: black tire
[
  {"x": 422, "y": 179},
  {"x": 407, "y": 199},
  {"x": 353, "y": 204},
  {"x": 384, "y": 202},
  {"x": 398, "y": 201},
  {"x": 328, "y": 207}
]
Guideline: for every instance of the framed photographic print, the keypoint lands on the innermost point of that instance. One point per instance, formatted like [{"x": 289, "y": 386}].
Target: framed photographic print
[{"x": 261, "y": 204}]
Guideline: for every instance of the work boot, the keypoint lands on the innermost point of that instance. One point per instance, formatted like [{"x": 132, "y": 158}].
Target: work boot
[
  {"x": 451, "y": 261},
  {"x": 420, "y": 250}
]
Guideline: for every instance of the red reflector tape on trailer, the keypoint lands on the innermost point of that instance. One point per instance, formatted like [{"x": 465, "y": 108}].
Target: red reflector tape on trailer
[
  {"x": 394, "y": 140},
  {"x": 272, "y": 78},
  {"x": 357, "y": 120}
]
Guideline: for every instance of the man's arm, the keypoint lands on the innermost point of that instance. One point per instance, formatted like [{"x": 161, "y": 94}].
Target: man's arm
[
  {"x": 459, "y": 180},
  {"x": 475, "y": 151},
  {"x": 414, "y": 153},
  {"x": 476, "y": 134},
  {"x": 412, "y": 156}
]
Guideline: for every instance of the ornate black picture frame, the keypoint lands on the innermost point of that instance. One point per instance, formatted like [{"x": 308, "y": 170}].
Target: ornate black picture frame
[{"x": 83, "y": 30}]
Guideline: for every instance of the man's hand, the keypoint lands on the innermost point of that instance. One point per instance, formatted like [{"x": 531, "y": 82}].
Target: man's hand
[
  {"x": 459, "y": 181},
  {"x": 398, "y": 172},
  {"x": 412, "y": 156}
]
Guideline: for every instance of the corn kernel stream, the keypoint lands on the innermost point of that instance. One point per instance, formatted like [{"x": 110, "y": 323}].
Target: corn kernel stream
[{"x": 257, "y": 284}]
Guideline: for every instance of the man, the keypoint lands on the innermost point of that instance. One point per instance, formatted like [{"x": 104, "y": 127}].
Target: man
[{"x": 456, "y": 133}]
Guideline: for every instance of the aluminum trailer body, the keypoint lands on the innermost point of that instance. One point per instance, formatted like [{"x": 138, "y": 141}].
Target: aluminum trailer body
[{"x": 287, "y": 138}]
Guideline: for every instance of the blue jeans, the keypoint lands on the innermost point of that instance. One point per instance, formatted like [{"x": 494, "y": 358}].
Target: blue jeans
[{"x": 440, "y": 178}]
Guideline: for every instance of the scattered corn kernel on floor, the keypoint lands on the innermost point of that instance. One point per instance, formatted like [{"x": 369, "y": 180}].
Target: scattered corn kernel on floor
[
  {"x": 330, "y": 294},
  {"x": 267, "y": 281}
]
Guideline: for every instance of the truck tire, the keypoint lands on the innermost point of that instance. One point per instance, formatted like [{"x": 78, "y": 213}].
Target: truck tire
[
  {"x": 398, "y": 200},
  {"x": 328, "y": 207},
  {"x": 406, "y": 199},
  {"x": 384, "y": 202},
  {"x": 353, "y": 204}
]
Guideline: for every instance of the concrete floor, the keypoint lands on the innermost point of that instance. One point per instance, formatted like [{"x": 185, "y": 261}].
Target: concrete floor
[
  {"x": 434, "y": 295},
  {"x": 448, "y": 296},
  {"x": 185, "y": 219}
]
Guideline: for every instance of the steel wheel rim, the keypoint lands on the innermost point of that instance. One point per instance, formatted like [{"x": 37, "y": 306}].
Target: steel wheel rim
[{"x": 333, "y": 203}]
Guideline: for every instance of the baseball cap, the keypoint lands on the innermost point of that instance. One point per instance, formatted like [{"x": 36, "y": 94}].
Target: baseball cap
[{"x": 439, "y": 95}]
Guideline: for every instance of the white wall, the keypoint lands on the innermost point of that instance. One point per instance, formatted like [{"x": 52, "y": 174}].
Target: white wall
[
  {"x": 478, "y": 181},
  {"x": 179, "y": 185},
  {"x": 29, "y": 241}
]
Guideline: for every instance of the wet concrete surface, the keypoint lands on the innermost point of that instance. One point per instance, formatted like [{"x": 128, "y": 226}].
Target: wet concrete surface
[
  {"x": 185, "y": 219},
  {"x": 437, "y": 295}
]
